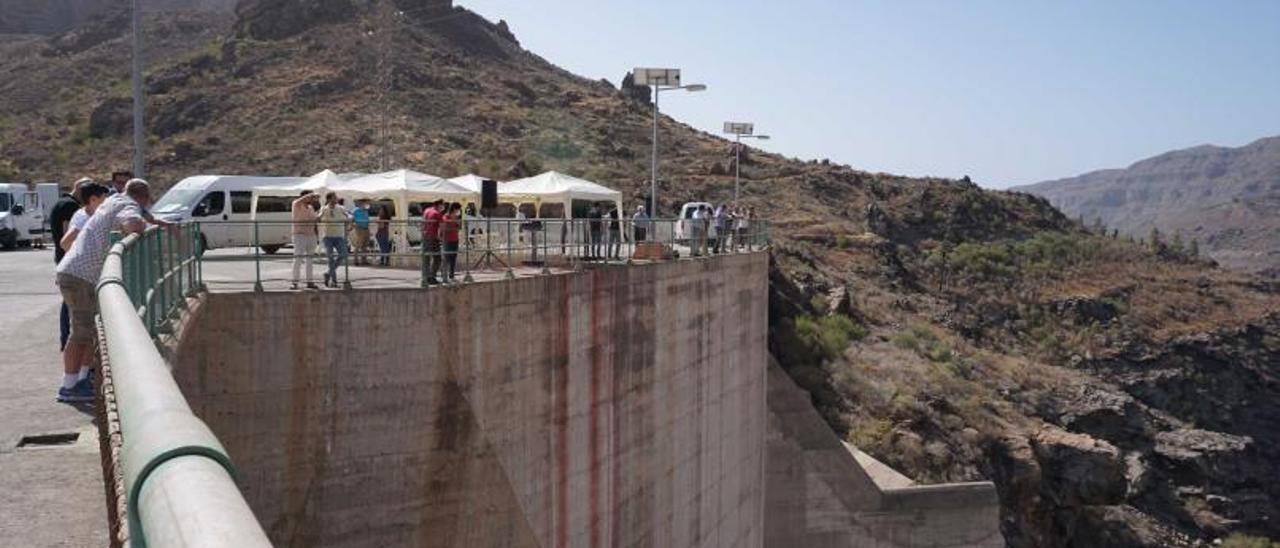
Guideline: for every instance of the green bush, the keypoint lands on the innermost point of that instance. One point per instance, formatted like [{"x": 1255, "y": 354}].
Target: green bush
[
  {"x": 828, "y": 336},
  {"x": 1245, "y": 541}
]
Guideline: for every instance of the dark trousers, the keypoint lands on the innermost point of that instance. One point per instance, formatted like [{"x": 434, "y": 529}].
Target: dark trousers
[
  {"x": 614, "y": 245},
  {"x": 432, "y": 246},
  {"x": 641, "y": 234},
  {"x": 450, "y": 259},
  {"x": 597, "y": 240}
]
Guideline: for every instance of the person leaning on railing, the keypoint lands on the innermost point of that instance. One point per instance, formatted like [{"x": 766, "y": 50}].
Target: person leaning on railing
[
  {"x": 77, "y": 276},
  {"x": 304, "y": 236}
]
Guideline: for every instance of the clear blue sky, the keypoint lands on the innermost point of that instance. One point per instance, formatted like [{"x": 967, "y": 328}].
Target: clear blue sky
[{"x": 1009, "y": 92}]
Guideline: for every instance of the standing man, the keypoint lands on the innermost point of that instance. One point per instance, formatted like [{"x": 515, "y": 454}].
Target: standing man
[
  {"x": 640, "y": 222},
  {"x": 614, "y": 245},
  {"x": 596, "y": 232},
  {"x": 721, "y": 222},
  {"x": 304, "y": 236},
  {"x": 59, "y": 218},
  {"x": 431, "y": 238},
  {"x": 78, "y": 273},
  {"x": 118, "y": 181},
  {"x": 334, "y": 219},
  {"x": 361, "y": 219}
]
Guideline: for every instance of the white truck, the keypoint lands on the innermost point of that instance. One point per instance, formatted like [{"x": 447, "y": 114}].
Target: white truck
[{"x": 24, "y": 213}]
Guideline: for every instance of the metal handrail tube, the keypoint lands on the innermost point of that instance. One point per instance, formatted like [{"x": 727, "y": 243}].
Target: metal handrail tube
[{"x": 177, "y": 475}]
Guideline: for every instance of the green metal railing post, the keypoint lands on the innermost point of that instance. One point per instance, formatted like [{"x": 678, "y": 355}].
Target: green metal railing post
[
  {"x": 199, "y": 246},
  {"x": 346, "y": 262},
  {"x": 257, "y": 260},
  {"x": 422, "y": 259}
]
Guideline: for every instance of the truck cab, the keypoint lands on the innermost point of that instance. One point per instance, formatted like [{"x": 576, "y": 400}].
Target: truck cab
[{"x": 22, "y": 216}]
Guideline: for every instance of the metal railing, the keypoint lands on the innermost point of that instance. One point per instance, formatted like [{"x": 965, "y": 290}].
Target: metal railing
[
  {"x": 179, "y": 482},
  {"x": 504, "y": 246}
]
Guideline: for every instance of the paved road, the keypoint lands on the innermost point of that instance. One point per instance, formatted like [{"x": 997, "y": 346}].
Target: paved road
[{"x": 49, "y": 496}]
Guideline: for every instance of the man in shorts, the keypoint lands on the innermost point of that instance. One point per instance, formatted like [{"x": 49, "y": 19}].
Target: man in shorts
[{"x": 77, "y": 278}]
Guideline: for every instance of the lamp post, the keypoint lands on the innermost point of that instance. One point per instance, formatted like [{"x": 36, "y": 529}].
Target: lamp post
[
  {"x": 661, "y": 80},
  {"x": 139, "y": 101},
  {"x": 740, "y": 131}
]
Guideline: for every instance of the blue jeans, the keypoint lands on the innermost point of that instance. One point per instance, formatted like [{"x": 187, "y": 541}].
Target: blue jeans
[
  {"x": 335, "y": 248},
  {"x": 384, "y": 246}
]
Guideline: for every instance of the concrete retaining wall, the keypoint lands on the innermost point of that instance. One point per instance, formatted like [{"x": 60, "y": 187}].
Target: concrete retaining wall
[
  {"x": 619, "y": 406},
  {"x": 820, "y": 496}
]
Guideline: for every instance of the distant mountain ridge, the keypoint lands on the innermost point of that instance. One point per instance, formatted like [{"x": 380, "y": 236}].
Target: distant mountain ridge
[{"x": 1227, "y": 199}]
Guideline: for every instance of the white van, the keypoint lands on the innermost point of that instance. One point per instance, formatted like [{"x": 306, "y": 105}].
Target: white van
[
  {"x": 684, "y": 229},
  {"x": 222, "y": 204},
  {"x": 23, "y": 216}
]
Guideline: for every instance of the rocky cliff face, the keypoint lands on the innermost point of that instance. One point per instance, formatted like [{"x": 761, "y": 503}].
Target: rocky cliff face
[
  {"x": 1225, "y": 198},
  {"x": 1118, "y": 396}
]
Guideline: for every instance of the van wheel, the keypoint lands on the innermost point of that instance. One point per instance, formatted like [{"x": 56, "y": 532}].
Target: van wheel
[
  {"x": 271, "y": 249},
  {"x": 204, "y": 245}
]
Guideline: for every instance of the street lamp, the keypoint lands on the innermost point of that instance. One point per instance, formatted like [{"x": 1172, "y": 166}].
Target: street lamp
[
  {"x": 740, "y": 131},
  {"x": 139, "y": 100},
  {"x": 661, "y": 79}
]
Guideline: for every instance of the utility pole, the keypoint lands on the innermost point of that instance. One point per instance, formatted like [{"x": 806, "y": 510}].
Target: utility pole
[
  {"x": 661, "y": 79},
  {"x": 139, "y": 100},
  {"x": 740, "y": 131}
]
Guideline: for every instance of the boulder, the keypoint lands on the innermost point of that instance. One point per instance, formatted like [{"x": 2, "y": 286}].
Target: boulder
[
  {"x": 1079, "y": 470},
  {"x": 1111, "y": 415},
  {"x": 1195, "y": 455}
]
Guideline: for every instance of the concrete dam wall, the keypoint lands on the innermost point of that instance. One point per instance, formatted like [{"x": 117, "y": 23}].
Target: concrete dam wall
[{"x": 618, "y": 406}]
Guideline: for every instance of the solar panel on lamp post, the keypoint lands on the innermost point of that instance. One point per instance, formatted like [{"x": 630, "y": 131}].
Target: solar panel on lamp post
[
  {"x": 661, "y": 79},
  {"x": 740, "y": 131}
]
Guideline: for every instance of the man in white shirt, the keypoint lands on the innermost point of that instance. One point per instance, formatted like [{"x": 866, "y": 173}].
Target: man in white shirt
[{"x": 78, "y": 275}]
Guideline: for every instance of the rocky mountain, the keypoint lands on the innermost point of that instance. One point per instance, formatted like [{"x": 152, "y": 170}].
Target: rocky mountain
[
  {"x": 54, "y": 16},
  {"x": 1224, "y": 198},
  {"x": 1118, "y": 394}
]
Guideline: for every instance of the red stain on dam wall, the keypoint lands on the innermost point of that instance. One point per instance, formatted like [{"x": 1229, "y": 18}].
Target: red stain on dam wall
[{"x": 619, "y": 406}]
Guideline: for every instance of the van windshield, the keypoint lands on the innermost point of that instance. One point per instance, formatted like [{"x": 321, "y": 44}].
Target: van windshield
[
  {"x": 177, "y": 199},
  {"x": 5, "y": 205}
]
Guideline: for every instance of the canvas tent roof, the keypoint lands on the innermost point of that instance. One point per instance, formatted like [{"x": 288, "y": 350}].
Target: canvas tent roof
[
  {"x": 315, "y": 183},
  {"x": 470, "y": 181},
  {"x": 402, "y": 183},
  {"x": 555, "y": 186}
]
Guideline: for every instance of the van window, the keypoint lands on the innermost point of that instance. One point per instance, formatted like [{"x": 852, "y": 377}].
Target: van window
[
  {"x": 241, "y": 202},
  {"x": 272, "y": 204},
  {"x": 212, "y": 204}
]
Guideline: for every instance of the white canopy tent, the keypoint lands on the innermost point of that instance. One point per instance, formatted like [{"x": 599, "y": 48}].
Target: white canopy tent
[
  {"x": 470, "y": 181},
  {"x": 555, "y": 187},
  {"x": 404, "y": 187},
  {"x": 317, "y": 183}
]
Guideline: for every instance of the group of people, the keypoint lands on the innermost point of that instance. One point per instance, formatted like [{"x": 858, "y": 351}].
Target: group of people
[
  {"x": 329, "y": 224},
  {"x": 726, "y": 228},
  {"x": 81, "y": 224}
]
